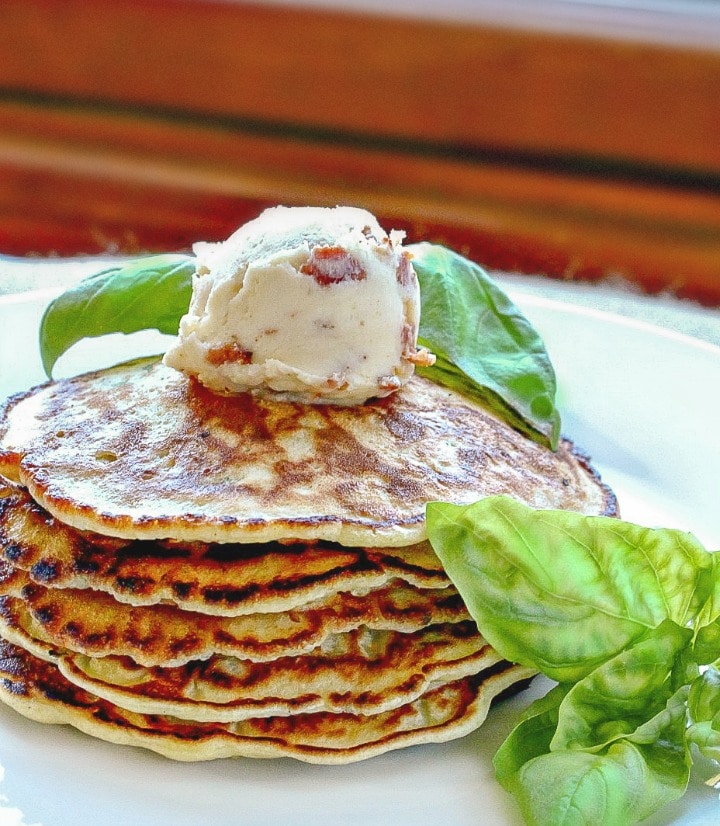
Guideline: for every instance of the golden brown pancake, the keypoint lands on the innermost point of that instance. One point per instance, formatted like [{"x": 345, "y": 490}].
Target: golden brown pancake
[
  {"x": 37, "y": 690},
  {"x": 230, "y": 579},
  {"x": 360, "y": 672},
  {"x": 93, "y": 623},
  {"x": 210, "y": 576},
  {"x": 143, "y": 451}
]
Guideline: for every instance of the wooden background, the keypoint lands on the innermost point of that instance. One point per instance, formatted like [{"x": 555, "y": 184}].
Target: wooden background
[{"x": 133, "y": 126}]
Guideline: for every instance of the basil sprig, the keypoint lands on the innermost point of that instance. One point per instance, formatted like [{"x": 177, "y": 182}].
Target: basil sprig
[
  {"x": 485, "y": 347},
  {"x": 626, "y": 619},
  {"x": 146, "y": 293}
]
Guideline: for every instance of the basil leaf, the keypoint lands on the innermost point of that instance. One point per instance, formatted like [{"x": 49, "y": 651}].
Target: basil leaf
[
  {"x": 575, "y": 787},
  {"x": 530, "y": 738},
  {"x": 625, "y": 697},
  {"x": 706, "y": 736},
  {"x": 704, "y": 700},
  {"x": 151, "y": 292},
  {"x": 704, "y": 713},
  {"x": 622, "y": 785},
  {"x": 561, "y": 592},
  {"x": 660, "y": 754},
  {"x": 622, "y": 780},
  {"x": 706, "y": 646},
  {"x": 484, "y": 344},
  {"x": 623, "y": 716}
]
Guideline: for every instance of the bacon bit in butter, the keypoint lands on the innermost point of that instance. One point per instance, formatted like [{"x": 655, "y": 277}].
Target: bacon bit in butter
[
  {"x": 337, "y": 381},
  {"x": 331, "y": 265},
  {"x": 389, "y": 383},
  {"x": 405, "y": 274},
  {"x": 420, "y": 358},
  {"x": 228, "y": 353}
]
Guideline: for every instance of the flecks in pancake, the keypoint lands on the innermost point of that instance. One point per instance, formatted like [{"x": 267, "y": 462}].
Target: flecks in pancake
[
  {"x": 36, "y": 689},
  {"x": 142, "y": 451},
  {"x": 229, "y": 580},
  {"x": 360, "y": 672},
  {"x": 93, "y": 623}
]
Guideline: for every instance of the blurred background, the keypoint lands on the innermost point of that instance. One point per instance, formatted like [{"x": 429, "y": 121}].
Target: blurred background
[{"x": 573, "y": 140}]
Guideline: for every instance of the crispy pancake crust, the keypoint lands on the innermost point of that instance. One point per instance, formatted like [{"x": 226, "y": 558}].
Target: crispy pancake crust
[
  {"x": 225, "y": 580},
  {"x": 93, "y": 623},
  {"x": 361, "y": 672},
  {"x": 143, "y": 451},
  {"x": 37, "y": 690}
]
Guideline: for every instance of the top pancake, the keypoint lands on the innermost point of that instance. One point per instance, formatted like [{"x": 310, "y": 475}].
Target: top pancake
[{"x": 141, "y": 451}]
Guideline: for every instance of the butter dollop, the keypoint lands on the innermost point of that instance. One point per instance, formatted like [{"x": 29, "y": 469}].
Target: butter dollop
[{"x": 307, "y": 304}]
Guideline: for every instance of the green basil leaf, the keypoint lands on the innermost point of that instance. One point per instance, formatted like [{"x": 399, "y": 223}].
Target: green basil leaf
[
  {"x": 561, "y": 592},
  {"x": 663, "y": 744},
  {"x": 704, "y": 700},
  {"x": 576, "y": 788},
  {"x": 657, "y": 757},
  {"x": 706, "y": 645},
  {"x": 483, "y": 342},
  {"x": 623, "y": 783},
  {"x": 146, "y": 293},
  {"x": 706, "y": 736},
  {"x": 704, "y": 713},
  {"x": 627, "y": 696},
  {"x": 530, "y": 738}
]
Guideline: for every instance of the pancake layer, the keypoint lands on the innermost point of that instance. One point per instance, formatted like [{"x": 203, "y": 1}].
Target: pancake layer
[
  {"x": 37, "y": 690},
  {"x": 142, "y": 451}
]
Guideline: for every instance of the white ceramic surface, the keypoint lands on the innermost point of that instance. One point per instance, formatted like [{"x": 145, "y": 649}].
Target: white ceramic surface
[{"x": 645, "y": 404}]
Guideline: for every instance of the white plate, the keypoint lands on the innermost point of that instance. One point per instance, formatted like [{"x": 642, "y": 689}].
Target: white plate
[{"x": 643, "y": 402}]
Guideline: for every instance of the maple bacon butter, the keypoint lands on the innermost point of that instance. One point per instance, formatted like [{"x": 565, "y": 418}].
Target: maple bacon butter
[{"x": 306, "y": 304}]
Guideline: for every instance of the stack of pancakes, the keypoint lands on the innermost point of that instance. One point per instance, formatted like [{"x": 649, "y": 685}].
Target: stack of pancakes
[{"x": 211, "y": 576}]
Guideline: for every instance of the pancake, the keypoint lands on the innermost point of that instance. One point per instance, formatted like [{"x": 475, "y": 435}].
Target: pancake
[
  {"x": 228, "y": 580},
  {"x": 209, "y": 576},
  {"x": 142, "y": 451},
  {"x": 37, "y": 690},
  {"x": 93, "y": 623},
  {"x": 360, "y": 672}
]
